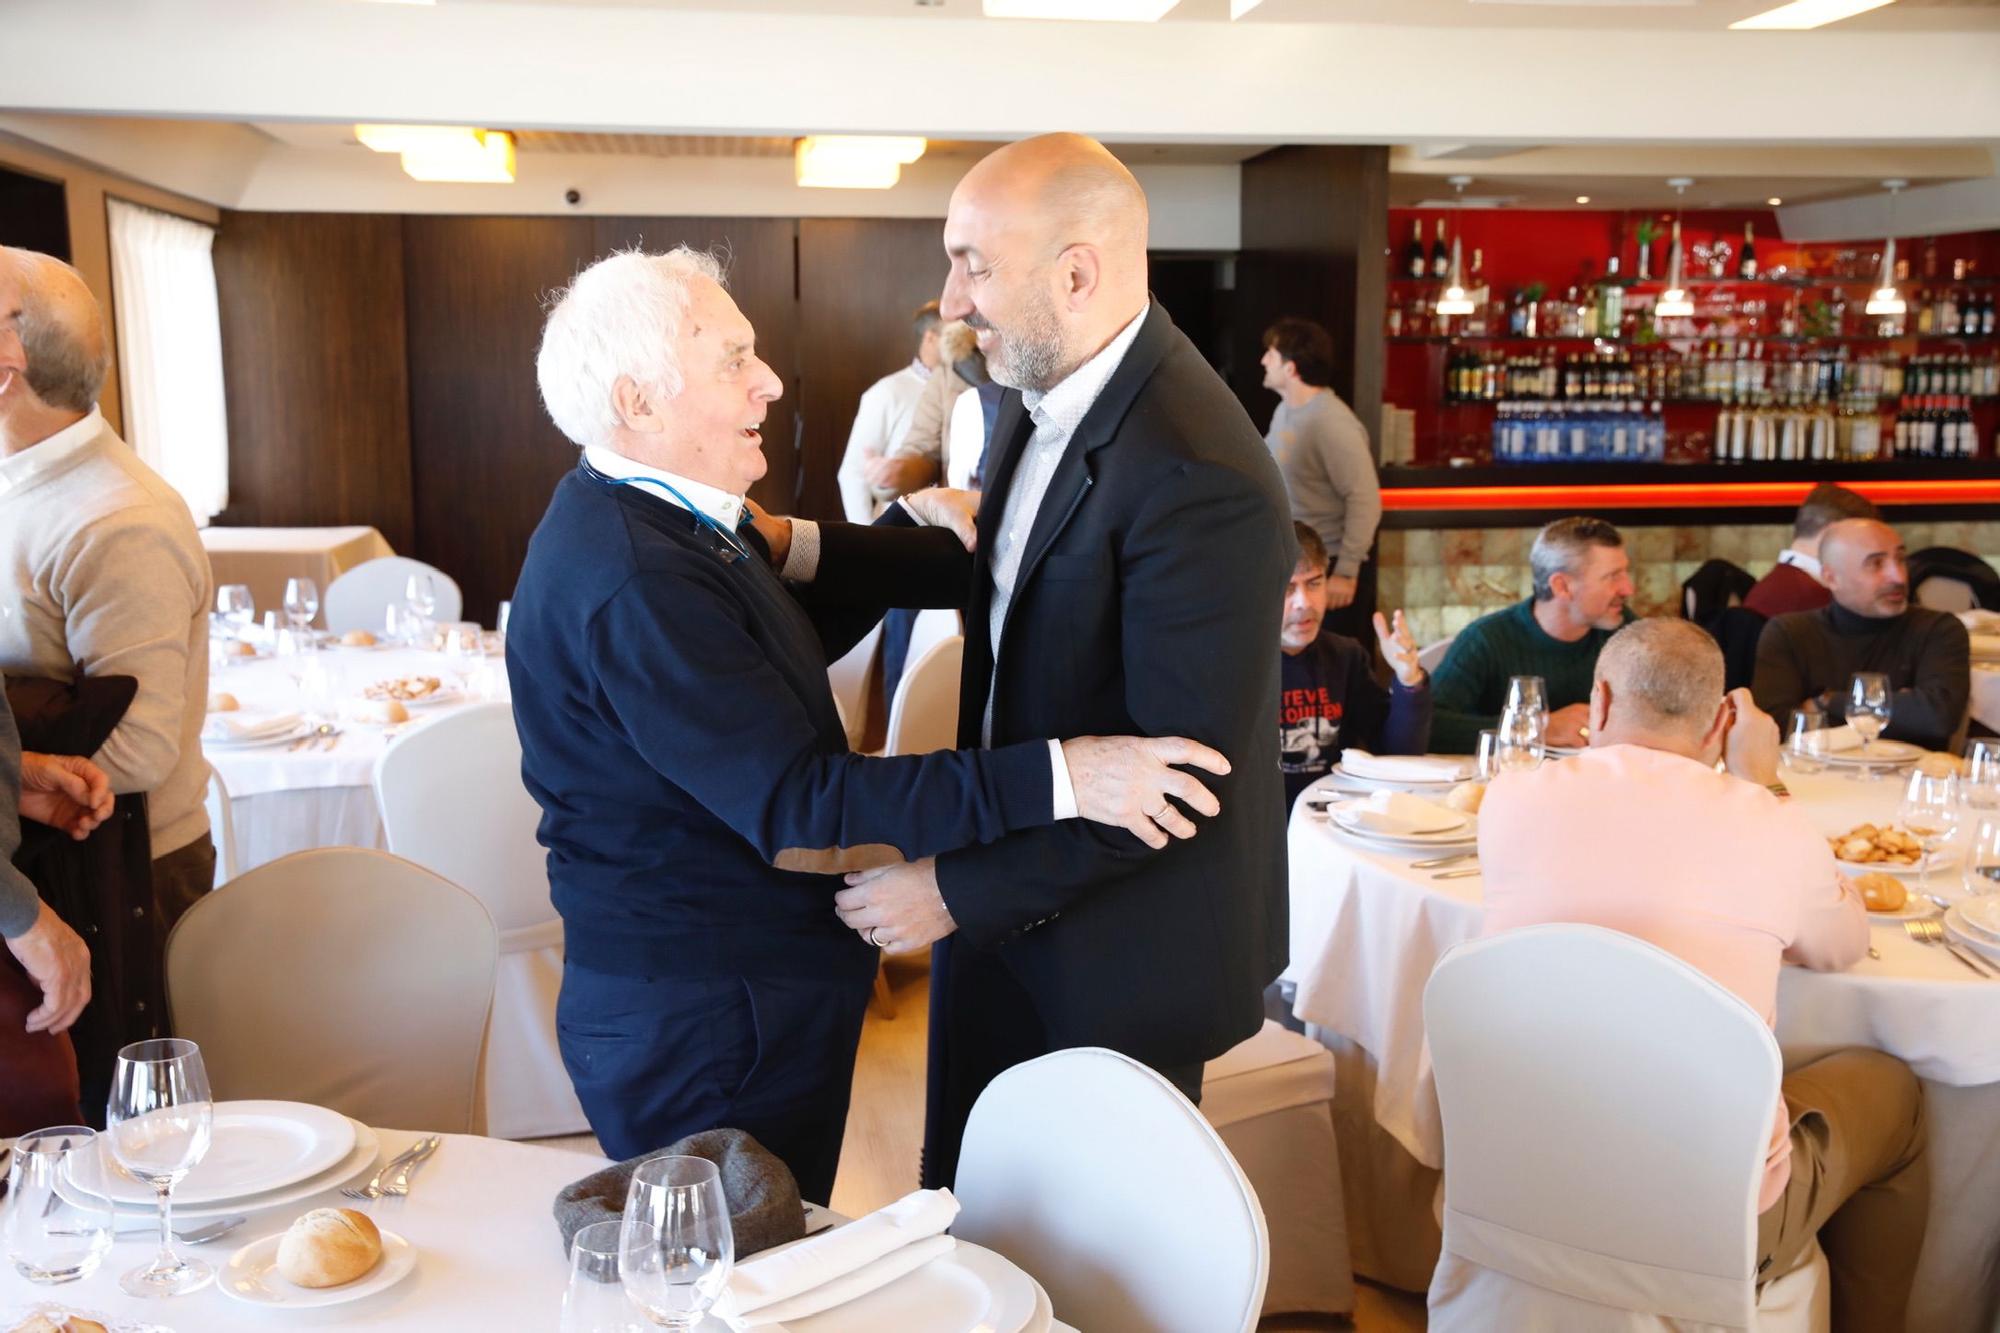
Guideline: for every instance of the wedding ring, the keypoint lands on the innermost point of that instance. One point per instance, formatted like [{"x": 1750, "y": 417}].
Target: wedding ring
[
  {"x": 873, "y": 938},
  {"x": 1154, "y": 815}
]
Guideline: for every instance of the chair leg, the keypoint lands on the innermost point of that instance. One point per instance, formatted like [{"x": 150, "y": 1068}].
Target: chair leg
[{"x": 883, "y": 999}]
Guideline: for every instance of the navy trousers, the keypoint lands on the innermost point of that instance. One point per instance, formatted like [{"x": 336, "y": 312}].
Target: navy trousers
[{"x": 656, "y": 1058}]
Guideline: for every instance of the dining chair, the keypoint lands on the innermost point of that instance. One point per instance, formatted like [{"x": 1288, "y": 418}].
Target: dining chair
[
  {"x": 452, "y": 801},
  {"x": 1271, "y": 1100},
  {"x": 342, "y": 976},
  {"x": 1095, "y": 1175},
  {"x": 1606, "y": 1111},
  {"x": 222, "y": 826},
  {"x": 1431, "y": 654},
  {"x": 924, "y": 715},
  {"x": 361, "y": 596},
  {"x": 849, "y": 679}
]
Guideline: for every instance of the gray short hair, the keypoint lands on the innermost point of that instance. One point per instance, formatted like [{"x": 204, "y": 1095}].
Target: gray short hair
[
  {"x": 1667, "y": 669},
  {"x": 66, "y": 366},
  {"x": 618, "y": 319},
  {"x": 1563, "y": 546}
]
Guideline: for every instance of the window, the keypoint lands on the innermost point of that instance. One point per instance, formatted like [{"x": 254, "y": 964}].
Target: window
[{"x": 170, "y": 351}]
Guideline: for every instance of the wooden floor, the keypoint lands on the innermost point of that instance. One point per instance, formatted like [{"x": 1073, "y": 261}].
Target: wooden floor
[{"x": 885, "y": 1123}]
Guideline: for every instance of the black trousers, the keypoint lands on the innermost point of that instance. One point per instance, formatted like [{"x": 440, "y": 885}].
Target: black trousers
[
  {"x": 654, "y": 1059},
  {"x": 983, "y": 1023}
]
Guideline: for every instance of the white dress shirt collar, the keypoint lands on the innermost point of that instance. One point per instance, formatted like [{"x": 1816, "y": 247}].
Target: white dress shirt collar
[
  {"x": 1799, "y": 560},
  {"x": 1064, "y": 407},
  {"x": 919, "y": 369},
  {"x": 712, "y": 501},
  {"x": 50, "y": 453}
]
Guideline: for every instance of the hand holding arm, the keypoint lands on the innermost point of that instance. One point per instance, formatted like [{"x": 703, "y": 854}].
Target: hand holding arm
[
  {"x": 65, "y": 791},
  {"x": 1124, "y": 781}
]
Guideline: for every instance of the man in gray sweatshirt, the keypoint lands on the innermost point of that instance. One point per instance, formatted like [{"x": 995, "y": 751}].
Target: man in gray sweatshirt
[{"x": 101, "y": 570}]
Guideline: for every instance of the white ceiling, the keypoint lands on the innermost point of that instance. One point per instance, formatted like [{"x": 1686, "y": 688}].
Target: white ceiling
[{"x": 1641, "y": 15}]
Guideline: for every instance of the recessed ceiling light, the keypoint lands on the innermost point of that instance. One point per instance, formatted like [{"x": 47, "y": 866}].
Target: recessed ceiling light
[
  {"x": 1583, "y": 199},
  {"x": 1801, "y": 14},
  {"x": 1774, "y": 201}
]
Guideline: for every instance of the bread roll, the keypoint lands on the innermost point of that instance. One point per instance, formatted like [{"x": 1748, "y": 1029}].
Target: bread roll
[
  {"x": 238, "y": 648},
  {"x": 328, "y": 1247},
  {"x": 381, "y": 712},
  {"x": 358, "y": 638},
  {"x": 1466, "y": 797},
  {"x": 75, "y": 1323},
  {"x": 1882, "y": 893},
  {"x": 223, "y": 702}
]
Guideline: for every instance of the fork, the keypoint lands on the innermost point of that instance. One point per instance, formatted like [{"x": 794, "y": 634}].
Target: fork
[
  {"x": 1928, "y": 931},
  {"x": 325, "y": 736},
  {"x": 373, "y": 1189},
  {"x": 1435, "y": 862},
  {"x": 399, "y": 1184}
]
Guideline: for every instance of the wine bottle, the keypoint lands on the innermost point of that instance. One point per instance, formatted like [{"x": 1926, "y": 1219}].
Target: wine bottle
[
  {"x": 1413, "y": 253},
  {"x": 1440, "y": 255},
  {"x": 1746, "y": 263}
]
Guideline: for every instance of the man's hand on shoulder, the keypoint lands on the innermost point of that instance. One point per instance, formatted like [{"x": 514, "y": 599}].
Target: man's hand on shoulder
[
  {"x": 776, "y": 532},
  {"x": 942, "y": 507},
  {"x": 1125, "y": 781}
]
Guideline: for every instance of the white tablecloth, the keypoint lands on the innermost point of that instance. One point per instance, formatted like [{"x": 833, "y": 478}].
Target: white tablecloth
[
  {"x": 1367, "y": 930},
  {"x": 1986, "y": 694},
  {"x": 284, "y": 800}
]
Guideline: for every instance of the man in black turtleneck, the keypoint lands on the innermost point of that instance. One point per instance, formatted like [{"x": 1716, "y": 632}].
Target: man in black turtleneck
[{"x": 1871, "y": 626}]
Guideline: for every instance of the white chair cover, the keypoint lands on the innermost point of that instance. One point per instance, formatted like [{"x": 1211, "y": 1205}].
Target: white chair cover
[
  {"x": 1606, "y": 1113},
  {"x": 1941, "y": 592},
  {"x": 1092, "y": 1173},
  {"x": 222, "y": 825},
  {"x": 452, "y": 800},
  {"x": 849, "y": 679},
  {"x": 1271, "y": 1100},
  {"x": 1431, "y": 654},
  {"x": 359, "y": 598},
  {"x": 924, "y": 716},
  {"x": 345, "y": 977},
  {"x": 931, "y": 627}
]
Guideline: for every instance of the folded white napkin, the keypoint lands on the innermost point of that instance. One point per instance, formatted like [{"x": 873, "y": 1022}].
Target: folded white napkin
[
  {"x": 1398, "y": 813},
  {"x": 1402, "y": 767},
  {"x": 228, "y": 727},
  {"x": 830, "y": 1269},
  {"x": 1842, "y": 738}
]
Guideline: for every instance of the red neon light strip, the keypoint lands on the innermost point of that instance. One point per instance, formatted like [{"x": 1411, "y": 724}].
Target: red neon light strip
[{"x": 1679, "y": 495}]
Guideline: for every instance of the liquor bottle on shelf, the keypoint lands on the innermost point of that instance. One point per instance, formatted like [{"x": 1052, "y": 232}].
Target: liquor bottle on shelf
[
  {"x": 1746, "y": 262},
  {"x": 1440, "y": 255},
  {"x": 1413, "y": 253}
]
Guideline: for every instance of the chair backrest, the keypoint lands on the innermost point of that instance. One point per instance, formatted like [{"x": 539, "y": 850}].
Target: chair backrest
[
  {"x": 849, "y": 679},
  {"x": 1945, "y": 578},
  {"x": 924, "y": 716},
  {"x": 1431, "y": 654},
  {"x": 1094, "y": 1174},
  {"x": 1945, "y": 592},
  {"x": 452, "y": 801},
  {"x": 932, "y": 626},
  {"x": 360, "y": 596},
  {"x": 222, "y": 824},
  {"x": 1607, "y": 1109},
  {"x": 345, "y": 977}
]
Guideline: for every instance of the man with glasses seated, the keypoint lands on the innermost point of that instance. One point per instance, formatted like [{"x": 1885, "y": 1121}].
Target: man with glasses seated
[
  {"x": 1642, "y": 834},
  {"x": 1809, "y": 658}
]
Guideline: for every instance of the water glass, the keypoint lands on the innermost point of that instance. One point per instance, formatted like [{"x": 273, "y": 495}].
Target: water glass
[
  {"x": 596, "y": 1301},
  {"x": 234, "y": 604},
  {"x": 420, "y": 598},
  {"x": 57, "y": 1226},
  {"x": 1527, "y": 694},
  {"x": 159, "y": 1120},
  {"x": 676, "y": 1247},
  {"x": 1981, "y": 788},
  {"x": 1521, "y": 743},
  {"x": 1487, "y": 757},
  {"x": 1805, "y": 741},
  {"x": 1929, "y": 813},
  {"x": 1982, "y": 858},
  {"x": 1869, "y": 703},
  {"x": 464, "y": 648},
  {"x": 301, "y": 602}
]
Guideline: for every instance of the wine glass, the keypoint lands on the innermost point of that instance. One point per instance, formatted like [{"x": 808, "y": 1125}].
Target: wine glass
[
  {"x": 464, "y": 650},
  {"x": 58, "y": 1226},
  {"x": 676, "y": 1247},
  {"x": 596, "y": 1301},
  {"x": 1982, "y": 780},
  {"x": 160, "y": 1117},
  {"x": 1982, "y": 858},
  {"x": 420, "y": 600},
  {"x": 1869, "y": 701},
  {"x": 1928, "y": 814},
  {"x": 238, "y": 611},
  {"x": 1805, "y": 741},
  {"x": 1487, "y": 757},
  {"x": 1521, "y": 744},
  {"x": 301, "y": 604},
  {"x": 1527, "y": 693}
]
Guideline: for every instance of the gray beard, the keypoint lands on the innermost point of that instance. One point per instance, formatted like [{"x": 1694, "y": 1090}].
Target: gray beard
[{"x": 1032, "y": 358}]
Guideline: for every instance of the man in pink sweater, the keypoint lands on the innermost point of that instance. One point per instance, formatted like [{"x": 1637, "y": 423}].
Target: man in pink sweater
[{"x": 1642, "y": 834}]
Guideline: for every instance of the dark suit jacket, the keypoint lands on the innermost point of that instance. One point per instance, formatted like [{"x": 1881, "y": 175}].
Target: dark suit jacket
[{"x": 1148, "y": 603}]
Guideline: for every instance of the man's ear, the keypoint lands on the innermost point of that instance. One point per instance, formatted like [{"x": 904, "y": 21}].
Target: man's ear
[
  {"x": 634, "y": 406},
  {"x": 1083, "y": 272},
  {"x": 1600, "y": 705}
]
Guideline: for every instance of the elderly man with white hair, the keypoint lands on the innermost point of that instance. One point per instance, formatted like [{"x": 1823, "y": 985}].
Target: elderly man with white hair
[{"x": 668, "y": 652}]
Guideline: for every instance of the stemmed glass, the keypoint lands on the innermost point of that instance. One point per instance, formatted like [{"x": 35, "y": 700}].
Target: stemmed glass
[
  {"x": 676, "y": 1247},
  {"x": 1982, "y": 858},
  {"x": 301, "y": 605},
  {"x": 1805, "y": 743},
  {"x": 1521, "y": 743},
  {"x": 57, "y": 1226},
  {"x": 1982, "y": 779},
  {"x": 160, "y": 1117},
  {"x": 464, "y": 650},
  {"x": 1869, "y": 701},
  {"x": 1929, "y": 813},
  {"x": 420, "y": 600},
  {"x": 234, "y": 604},
  {"x": 596, "y": 1301},
  {"x": 1528, "y": 694},
  {"x": 1486, "y": 760}
]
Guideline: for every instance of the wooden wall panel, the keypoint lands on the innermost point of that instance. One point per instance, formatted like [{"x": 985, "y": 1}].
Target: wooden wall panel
[
  {"x": 315, "y": 371},
  {"x": 1314, "y": 226},
  {"x": 859, "y": 279},
  {"x": 484, "y": 454},
  {"x": 760, "y": 260}
]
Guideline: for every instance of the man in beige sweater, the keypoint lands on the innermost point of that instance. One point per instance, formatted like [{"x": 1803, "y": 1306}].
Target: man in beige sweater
[{"x": 101, "y": 571}]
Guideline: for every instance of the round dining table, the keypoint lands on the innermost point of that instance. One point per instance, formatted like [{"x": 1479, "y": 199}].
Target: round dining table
[
  {"x": 1367, "y": 928},
  {"x": 291, "y": 797}
]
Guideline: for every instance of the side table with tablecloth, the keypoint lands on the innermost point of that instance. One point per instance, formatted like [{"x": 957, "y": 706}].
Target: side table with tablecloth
[{"x": 263, "y": 558}]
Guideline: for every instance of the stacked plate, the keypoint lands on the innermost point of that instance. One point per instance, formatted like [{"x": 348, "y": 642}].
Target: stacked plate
[
  {"x": 966, "y": 1290},
  {"x": 260, "y": 1155},
  {"x": 224, "y": 732},
  {"x": 1881, "y": 754},
  {"x": 1451, "y": 771},
  {"x": 1975, "y": 923},
  {"x": 1447, "y": 828}
]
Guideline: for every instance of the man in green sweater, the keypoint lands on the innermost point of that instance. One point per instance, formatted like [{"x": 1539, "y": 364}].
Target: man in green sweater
[{"x": 1582, "y": 581}]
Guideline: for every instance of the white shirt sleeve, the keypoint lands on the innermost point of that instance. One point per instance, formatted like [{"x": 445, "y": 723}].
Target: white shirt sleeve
[
  {"x": 968, "y": 439},
  {"x": 1065, "y": 792},
  {"x": 869, "y": 435}
]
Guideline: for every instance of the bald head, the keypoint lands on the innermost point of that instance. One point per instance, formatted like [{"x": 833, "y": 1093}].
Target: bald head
[
  {"x": 1047, "y": 239},
  {"x": 1657, "y": 680},
  {"x": 1863, "y": 564},
  {"x": 56, "y": 341}
]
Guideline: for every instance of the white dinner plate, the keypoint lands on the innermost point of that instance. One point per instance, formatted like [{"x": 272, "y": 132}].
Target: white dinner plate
[
  {"x": 358, "y": 1164},
  {"x": 1435, "y": 784},
  {"x": 1962, "y": 934},
  {"x": 1913, "y": 909},
  {"x": 1444, "y": 821},
  {"x": 1466, "y": 835},
  {"x": 283, "y": 737},
  {"x": 1881, "y": 753},
  {"x": 252, "y": 1276},
  {"x": 1896, "y": 868},
  {"x": 965, "y": 1290},
  {"x": 256, "y": 1147},
  {"x": 1981, "y": 917}
]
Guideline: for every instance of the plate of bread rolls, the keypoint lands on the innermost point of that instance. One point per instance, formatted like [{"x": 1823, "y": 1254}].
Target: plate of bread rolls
[{"x": 328, "y": 1256}]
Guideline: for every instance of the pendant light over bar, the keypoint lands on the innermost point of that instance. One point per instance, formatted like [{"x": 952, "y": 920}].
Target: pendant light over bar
[
  {"x": 1674, "y": 302},
  {"x": 1885, "y": 299},
  {"x": 1454, "y": 300}
]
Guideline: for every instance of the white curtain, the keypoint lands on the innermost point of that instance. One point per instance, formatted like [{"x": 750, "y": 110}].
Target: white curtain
[{"x": 170, "y": 351}]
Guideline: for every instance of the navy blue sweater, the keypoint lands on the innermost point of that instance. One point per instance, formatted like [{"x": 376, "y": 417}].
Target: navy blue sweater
[{"x": 678, "y": 731}]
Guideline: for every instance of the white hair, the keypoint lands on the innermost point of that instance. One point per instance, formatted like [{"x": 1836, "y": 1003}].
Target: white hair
[{"x": 618, "y": 319}]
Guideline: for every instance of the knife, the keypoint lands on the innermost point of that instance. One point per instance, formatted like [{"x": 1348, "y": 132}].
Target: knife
[
  {"x": 1977, "y": 964},
  {"x": 400, "y": 1185},
  {"x": 1466, "y": 873}
]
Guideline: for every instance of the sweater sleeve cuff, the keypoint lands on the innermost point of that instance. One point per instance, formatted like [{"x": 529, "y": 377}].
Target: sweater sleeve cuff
[
  {"x": 1346, "y": 566},
  {"x": 1065, "y": 792},
  {"x": 802, "y": 561},
  {"x": 20, "y": 906}
]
